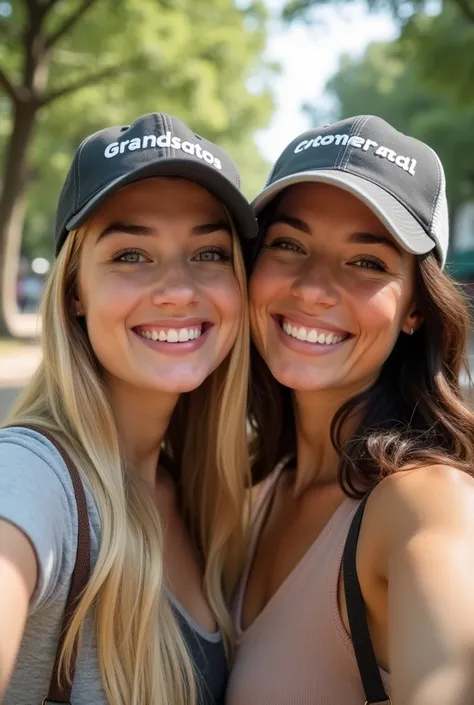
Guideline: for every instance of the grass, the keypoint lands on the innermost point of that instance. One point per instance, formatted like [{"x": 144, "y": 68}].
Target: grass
[{"x": 9, "y": 346}]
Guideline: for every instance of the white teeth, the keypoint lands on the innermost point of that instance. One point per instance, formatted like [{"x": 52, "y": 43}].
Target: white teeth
[
  {"x": 172, "y": 335},
  {"x": 311, "y": 335},
  {"x": 301, "y": 335}
]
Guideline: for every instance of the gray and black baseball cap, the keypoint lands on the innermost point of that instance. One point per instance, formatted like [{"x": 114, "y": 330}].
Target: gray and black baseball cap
[
  {"x": 398, "y": 177},
  {"x": 156, "y": 144}
]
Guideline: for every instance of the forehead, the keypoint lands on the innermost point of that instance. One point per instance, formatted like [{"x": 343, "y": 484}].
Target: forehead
[
  {"x": 161, "y": 197},
  {"x": 311, "y": 201}
]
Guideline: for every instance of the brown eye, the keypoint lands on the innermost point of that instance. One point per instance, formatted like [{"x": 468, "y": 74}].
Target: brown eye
[
  {"x": 370, "y": 263},
  {"x": 285, "y": 245}
]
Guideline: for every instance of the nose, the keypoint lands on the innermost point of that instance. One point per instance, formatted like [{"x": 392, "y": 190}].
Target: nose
[
  {"x": 175, "y": 288},
  {"x": 316, "y": 286}
]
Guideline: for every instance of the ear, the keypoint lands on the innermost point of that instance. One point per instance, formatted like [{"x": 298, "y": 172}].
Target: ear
[
  {"x": 412, "y": 321},
  {"x": 77, "y": 307}
]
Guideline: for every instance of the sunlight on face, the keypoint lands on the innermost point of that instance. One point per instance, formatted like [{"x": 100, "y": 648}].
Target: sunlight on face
[
  {"x": 157, "y": 286},
  {"x": 330, "y": 291}
]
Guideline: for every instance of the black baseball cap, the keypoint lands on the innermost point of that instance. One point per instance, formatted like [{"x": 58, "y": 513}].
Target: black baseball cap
[
  {"x": 398, "y": 177},
  {"x": 156, "y": 144}
]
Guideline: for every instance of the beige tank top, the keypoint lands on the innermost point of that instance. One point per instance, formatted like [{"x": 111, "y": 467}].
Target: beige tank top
[{"x": 297, "y": 651}]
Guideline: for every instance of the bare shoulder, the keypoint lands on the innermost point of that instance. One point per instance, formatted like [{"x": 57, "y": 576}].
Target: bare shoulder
[
  {"x": 436, "y": 499},
  {"x": 436, "y": 491}
]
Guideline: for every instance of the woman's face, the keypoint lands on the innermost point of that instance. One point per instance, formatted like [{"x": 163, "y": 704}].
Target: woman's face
[
  {"x": 157, "y": 285},
  {"x": 330, "y": 292}
]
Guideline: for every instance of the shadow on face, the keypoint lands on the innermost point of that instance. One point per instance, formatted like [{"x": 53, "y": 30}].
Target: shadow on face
[
  {"x": 330, "y": 292},
  {"x": 157, "y": 285}
]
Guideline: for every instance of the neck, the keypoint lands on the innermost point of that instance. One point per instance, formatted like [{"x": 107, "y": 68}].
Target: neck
[
  {"x": 317, "y": 459},
  {"x": 142, "y": 418}
]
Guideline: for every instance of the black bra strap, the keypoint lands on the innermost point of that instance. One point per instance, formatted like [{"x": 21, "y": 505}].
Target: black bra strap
[{"x": 364, "y": 651}]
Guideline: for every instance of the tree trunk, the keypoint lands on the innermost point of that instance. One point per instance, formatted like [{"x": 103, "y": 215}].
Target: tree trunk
[{"x": 12, "y": 209}]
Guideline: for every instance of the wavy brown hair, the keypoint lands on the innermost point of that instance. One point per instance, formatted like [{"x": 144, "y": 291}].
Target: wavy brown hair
[{"x": 413, "y": 415}]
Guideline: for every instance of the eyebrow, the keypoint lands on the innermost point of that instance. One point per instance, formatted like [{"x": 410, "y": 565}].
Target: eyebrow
[
  {"x": 143, "y": 230},
  {"x": 361, "y": 238},
  {"x": 375, "y": 239},
  {"x": 291, "y": 221}
]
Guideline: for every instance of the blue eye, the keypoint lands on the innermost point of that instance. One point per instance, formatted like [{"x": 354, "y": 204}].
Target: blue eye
[
  {"x": 213, "y": 254},
  {"x": 129, "y": 256}
]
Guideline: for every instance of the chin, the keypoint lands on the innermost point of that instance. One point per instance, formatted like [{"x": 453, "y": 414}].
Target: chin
[
  {"x": 178, "y": 382},
  {"x": 168, "y": 382},
  {"x": 300, "y": 379}
]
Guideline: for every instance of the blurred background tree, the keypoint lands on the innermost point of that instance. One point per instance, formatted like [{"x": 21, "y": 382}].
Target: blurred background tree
[
  {"x": 70, "y": 67},
  {"x": 401, "y": 10}
]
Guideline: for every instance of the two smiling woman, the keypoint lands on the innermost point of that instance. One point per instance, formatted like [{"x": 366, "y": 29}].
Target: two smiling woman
[{"x": 358, "y": 342}]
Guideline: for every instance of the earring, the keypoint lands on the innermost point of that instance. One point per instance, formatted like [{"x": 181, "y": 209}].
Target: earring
[{"x": 412, "y": 330}]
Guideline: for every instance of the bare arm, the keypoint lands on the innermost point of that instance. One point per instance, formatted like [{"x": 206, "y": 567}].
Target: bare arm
[
  {"x": 18, "y": 575},
  {"x": 429, "y": 568}
]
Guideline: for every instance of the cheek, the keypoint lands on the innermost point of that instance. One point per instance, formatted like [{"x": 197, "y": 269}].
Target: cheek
[
  {"x": 379, "y": 313},
  {"x": 110, "y": 299},
  {"x": 224, "y": 295},
  {"x": 268, "y": 284},
  {"x": 265, "y": 282},
  {"x": 380, "y": 310}
]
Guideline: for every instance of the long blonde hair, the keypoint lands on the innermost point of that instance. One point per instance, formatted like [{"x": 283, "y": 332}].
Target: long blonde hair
[{"x": 142, "y": 656}]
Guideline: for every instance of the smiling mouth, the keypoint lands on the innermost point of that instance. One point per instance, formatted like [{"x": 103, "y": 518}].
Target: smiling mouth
[
  {"x": 318, "y": 336},
  {"x": 172, "y": 335}
]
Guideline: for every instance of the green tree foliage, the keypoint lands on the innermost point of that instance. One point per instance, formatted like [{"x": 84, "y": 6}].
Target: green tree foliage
[
  {"x": 442, "y": 49},
  {"x": 70, "y": 67},
  {"x": 438, "y": 38},
  {"x": 401, "y": 10}
]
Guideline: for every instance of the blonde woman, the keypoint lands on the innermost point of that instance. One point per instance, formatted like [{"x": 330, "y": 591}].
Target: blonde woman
[{"x": 143, "y": 384}]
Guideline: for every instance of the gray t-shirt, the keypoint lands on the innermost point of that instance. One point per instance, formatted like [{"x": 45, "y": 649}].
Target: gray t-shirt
[{"x": 36, "y": 494}]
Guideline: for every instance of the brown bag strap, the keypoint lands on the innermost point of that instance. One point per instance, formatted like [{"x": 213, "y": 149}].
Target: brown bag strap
[{"x": 60, "y": 689}]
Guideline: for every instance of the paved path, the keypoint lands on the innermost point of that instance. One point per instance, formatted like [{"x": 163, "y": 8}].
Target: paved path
[
  {"x": 18, "y": 362},
  {"x": 16, "y": 367}
]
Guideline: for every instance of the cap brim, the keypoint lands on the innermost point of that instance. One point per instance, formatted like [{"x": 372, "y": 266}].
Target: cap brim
[
  {"x": 202, "y": 174},
  {"x": 398, "y": 220}
]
